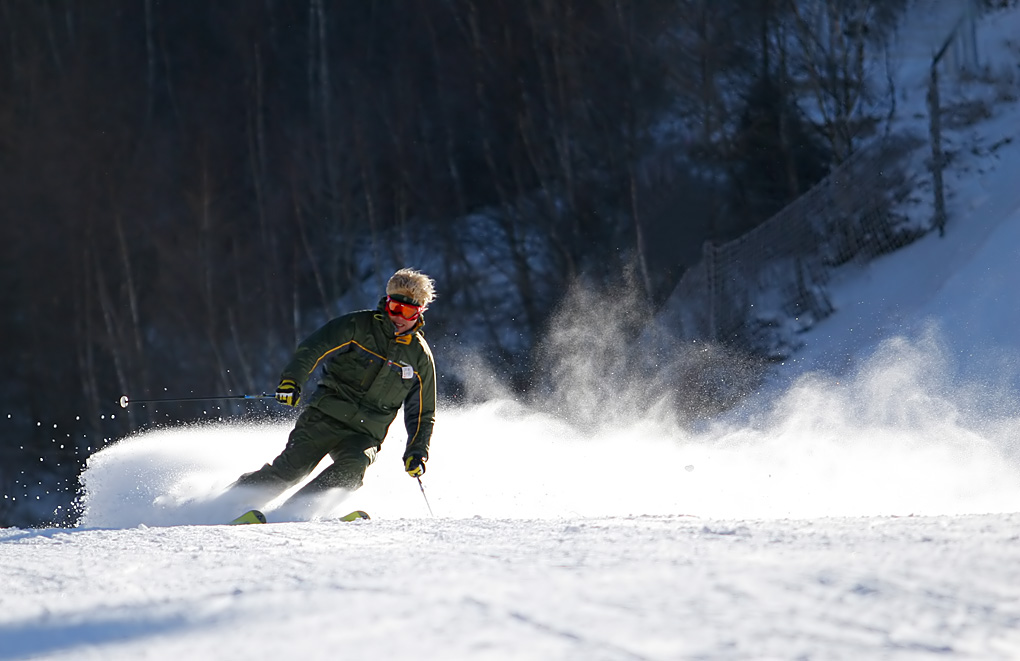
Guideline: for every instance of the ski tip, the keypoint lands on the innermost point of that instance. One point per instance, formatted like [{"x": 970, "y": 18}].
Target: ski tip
[
  {"x": 251, "y": 516},
  {"x": 355, "y": 515}
]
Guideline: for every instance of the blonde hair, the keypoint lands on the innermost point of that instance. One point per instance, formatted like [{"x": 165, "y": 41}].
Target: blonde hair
[{"x": 412, "y": 284}]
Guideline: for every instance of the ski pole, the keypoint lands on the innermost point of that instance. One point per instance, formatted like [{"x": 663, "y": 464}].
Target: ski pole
[
  {"x": 125, "y": 401},
  {"x": 425, "y": 497}
]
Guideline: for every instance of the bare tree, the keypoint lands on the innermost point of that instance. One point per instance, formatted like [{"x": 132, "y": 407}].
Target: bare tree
[{"x": 834, "y": 61}]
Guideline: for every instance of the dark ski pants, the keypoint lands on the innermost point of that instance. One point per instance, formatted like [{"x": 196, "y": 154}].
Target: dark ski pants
[{"x": 314, "y": 436}]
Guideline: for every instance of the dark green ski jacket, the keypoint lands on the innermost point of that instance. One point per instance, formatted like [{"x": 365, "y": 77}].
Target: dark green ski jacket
[{"x": 368, "y": 372}]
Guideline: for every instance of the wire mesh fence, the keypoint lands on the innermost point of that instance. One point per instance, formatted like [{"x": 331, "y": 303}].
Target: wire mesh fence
[
  {"x": 742, "y": 291},
  {"x": 757, "y": 291}
]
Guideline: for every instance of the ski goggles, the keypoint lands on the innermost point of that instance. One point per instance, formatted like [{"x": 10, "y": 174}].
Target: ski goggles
[{"x": 401, "y": 309}]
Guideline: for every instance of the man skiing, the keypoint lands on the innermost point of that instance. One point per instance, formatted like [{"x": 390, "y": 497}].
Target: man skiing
[{"x": 373, "y": 361}]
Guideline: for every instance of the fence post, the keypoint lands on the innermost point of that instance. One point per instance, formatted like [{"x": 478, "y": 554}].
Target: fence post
[{"x": 935, "y": 111}]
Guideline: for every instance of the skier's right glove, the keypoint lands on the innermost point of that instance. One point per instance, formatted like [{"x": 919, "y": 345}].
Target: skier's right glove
[
  {"x": 414, "y": 465},
  {"x": 288, "y": 392}
]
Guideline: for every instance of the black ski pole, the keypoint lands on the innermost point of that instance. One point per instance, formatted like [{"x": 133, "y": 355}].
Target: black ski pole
[
  {"x": 125, "y": 401},
  {"x": 425, "y": 497}
]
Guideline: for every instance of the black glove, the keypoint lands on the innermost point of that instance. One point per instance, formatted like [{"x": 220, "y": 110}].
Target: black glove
[
  {"x": 288, "y": 392},
  {"x": 414, "y": 464}
]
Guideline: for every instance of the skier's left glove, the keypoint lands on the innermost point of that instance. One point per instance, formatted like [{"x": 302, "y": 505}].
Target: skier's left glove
[{"x": 414, "y": 464}]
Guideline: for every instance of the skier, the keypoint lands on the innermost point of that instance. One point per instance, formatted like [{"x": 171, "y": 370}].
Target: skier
[{"x": 373, "y": 361}]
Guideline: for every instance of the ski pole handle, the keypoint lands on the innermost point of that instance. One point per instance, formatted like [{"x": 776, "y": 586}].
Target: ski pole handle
[{"x": 125, "y": 401}]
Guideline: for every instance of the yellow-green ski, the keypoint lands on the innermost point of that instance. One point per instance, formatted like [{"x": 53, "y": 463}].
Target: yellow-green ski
[
  {"x": 255, "y": 516},
  {"x": 251, "y": 516}
]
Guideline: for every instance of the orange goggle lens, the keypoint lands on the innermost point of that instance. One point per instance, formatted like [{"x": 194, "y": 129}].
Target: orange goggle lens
[{"x": 405, "y": 310}]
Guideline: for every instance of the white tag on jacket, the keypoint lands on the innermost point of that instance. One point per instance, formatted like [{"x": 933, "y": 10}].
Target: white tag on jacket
[{"x": 406, "y": 371}]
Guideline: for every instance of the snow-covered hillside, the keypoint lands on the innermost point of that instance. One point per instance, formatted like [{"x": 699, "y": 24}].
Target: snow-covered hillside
[
  {"x": 864, "y": 507},
  {"x": 960, "y": 286}
]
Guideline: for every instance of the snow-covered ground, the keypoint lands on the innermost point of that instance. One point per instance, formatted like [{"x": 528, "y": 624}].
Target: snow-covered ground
[
  {"x": 866, "y": 508},
  {"x": 651, "y": 587}
]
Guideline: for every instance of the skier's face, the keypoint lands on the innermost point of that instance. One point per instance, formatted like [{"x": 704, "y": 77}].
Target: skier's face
[{"x": 403, "y": 315}]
